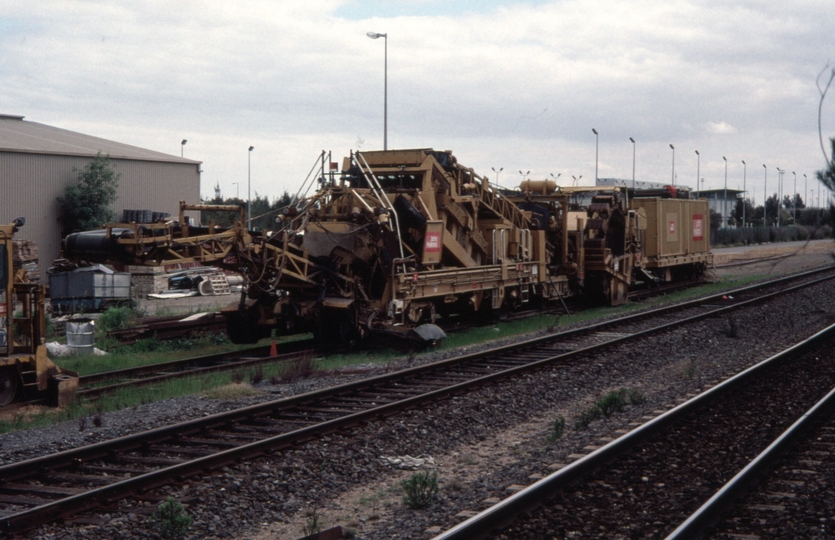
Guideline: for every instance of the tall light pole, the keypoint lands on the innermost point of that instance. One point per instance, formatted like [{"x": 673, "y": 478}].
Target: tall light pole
[
  {"x": 765, "y": 194},
  {"x": 805, "y": 186},
  {"x": 576, "y": 179},
  {"x": 237, "y": 192},
  {"x": 248, "y": 192},
  {"x": 673, "y": 148},
  {"x": 375, "y": 35},
  {"x": 794, "y": 199},
  {"x": 596, "y": 153},
  {"x": 497, "y": 175},
  {"x": 698, "y": 164},
  {"x": 524, "y": 175},
  {"x": 744, "y": 178},
  {"x": 633, "y": 165},
  {"x": 725, "y": 196},
  {"x": 779, "y": 193},
  {"x": 182, "y": 147}
]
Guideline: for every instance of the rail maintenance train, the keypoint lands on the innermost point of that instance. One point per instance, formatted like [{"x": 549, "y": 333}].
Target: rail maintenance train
[{"x": 396, "y": 239}]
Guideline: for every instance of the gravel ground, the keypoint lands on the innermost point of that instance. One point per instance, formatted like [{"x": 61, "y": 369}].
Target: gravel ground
[{"x": 484, "y": 441}]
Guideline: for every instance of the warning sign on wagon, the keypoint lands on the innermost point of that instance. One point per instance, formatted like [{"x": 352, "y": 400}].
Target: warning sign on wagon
[
  {"x": 433, "y": 242},
  {"x": 698, "y": 227}
]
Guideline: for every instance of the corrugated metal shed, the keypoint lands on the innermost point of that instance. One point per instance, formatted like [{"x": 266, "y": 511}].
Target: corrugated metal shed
[
  {"x": 17, "y": 135},
  {"x": 37, "y": 162}
]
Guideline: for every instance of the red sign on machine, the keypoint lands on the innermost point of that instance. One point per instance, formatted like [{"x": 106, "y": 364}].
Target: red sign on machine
[
  {"x": 698, "y": 227},
  {"x": 432, "y": 243},
  {"x": 672, "y": 227}
]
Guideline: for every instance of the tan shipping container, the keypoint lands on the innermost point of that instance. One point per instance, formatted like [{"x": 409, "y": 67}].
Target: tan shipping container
[{"x": 674, "y": 227}]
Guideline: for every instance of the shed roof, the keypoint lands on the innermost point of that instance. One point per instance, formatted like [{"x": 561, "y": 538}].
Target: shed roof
[{"x": 18, "y": 135}]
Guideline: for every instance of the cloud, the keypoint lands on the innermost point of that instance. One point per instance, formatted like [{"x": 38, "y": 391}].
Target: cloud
[
  {"x": 517, "y": 85},
  {"x": 719, "y": 128}
]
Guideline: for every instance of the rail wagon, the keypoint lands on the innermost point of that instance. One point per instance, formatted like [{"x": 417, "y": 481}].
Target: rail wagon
[{"x": 393, "y": 241}]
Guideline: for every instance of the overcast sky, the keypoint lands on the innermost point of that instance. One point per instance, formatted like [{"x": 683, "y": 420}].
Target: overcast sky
[{"x": 512, "y": 85}]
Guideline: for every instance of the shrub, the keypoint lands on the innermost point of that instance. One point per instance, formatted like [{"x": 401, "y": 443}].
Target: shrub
[
  {"x": 420, "y": 489},
  {"x": 171, "y": 519},
  {"x": 313, "y": 525},
  {"x": 558, "y": 429},
  {"x": 117, "y": 318}
]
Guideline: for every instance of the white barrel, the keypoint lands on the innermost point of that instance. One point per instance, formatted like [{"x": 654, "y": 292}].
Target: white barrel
[{"x": 81, "y": 336}]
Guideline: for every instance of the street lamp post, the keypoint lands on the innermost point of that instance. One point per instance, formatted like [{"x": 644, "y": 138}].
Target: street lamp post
[
  {"x": 674, "y": 163},
  {"x": 725, "y": 196},
  {"x": 794, "y": 201},
  {"x": 779, "y": 193},
  {"x": 596, "y": 152},
  {"x": 248, "y": 192},
  {"x": 524, "y": 175},
  {"x": 698, "y": 164},
  {"x": 576, "y": 179},
  {"x": 237, "y": 192},
  {"x": 744, "y": 178},
  {"x": 805, "y": 186},
  {"x": 182, "y": 147},
  {"x": 375, "y": 35},
  {"x": 633, "y": 165},
  {"x": 497, "y": 175},
  {"x": 765, "y": 195}
]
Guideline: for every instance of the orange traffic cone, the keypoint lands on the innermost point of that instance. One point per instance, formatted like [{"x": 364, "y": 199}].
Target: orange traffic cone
[{"x": 273, "y": 350}]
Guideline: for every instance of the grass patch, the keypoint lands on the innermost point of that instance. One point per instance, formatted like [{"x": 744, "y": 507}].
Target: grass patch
[
  {"x": 126, "y": 398},
  {"x": 608, "y": 405}
]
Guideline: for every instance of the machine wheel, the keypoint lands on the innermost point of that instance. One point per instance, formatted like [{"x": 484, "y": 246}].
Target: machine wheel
[
  {"x": 8, "y": 386},
  {"x": 241, "y": 328}
]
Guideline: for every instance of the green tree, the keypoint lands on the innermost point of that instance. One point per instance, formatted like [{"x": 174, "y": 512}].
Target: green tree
[
  {"x": 827, "y": 175},
  {"x": 736, "y": 213},
  {"x": 86, "y": 204}
]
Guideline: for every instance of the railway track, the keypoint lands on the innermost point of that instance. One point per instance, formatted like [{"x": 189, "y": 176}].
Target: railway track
[
  {"x": 92, "y": 386},
  {"x": 651, "y": 482},
  {"x": 43, "y": 489}
]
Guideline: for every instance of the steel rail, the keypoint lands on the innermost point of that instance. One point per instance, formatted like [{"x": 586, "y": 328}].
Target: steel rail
[
  {"x": 531, "y": 497},
  {"x": 87, "y": 380},
  {"x": 710, "y": 512},
  {"x": 233, "y": 363},
  {"x": 47, "y": 512}
]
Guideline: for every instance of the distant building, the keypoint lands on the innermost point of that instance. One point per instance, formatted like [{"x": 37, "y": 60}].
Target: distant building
[
  {"x": 721, "y": 201},
  {"x": 37, "y": 162}
]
